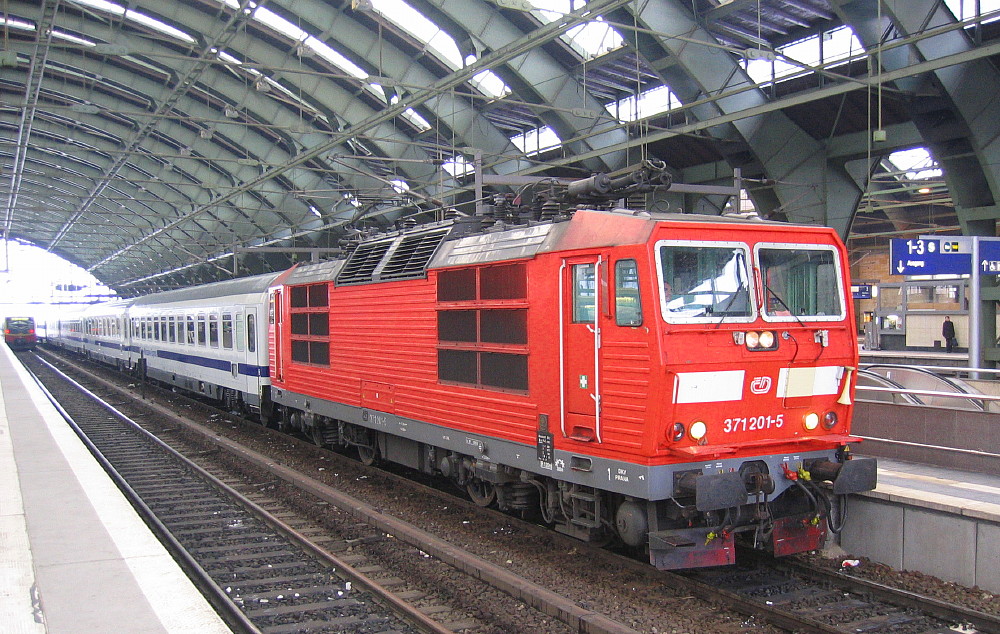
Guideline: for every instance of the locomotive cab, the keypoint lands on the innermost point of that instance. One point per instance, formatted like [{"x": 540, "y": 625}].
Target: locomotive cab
[
  {"x": 758, "y": 350},
  {"x": 19, "y": 333}
]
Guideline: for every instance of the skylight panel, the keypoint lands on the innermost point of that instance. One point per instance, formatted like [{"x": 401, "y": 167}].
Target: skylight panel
[
  {"x": 17, "y": 24},
  {"x": 488, "y": 82},
  {"x": 592, "y": 39},
  {"x": 416, "y": 120},
  {"x": 62, "y": 35},
  {"x": 916, "y": 164},
  {"x": 441, "y": 44},
  {"x": 457, "y": 166},
  {"x": 400, "y": 186},
  {"x": 838, "y": 44},
  {"x": 281, "y": 25},
  {"x": 645, "y": 104},
  {"x": 537, "y": 140},
  {"x": 966, "y": 9},
  {"x": 137, "y": 17},
  {"x": 157, "y": 25},
  {"x": 102, "y": 5},
  {"x": 335, "y": 58}
]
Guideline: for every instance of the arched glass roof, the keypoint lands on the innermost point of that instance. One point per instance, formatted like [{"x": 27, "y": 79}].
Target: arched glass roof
[{"x": 161, "y": 143}]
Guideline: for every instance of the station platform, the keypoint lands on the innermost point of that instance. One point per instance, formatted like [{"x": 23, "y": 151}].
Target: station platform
[
  {"x": 942, "y": 522},
  {"x": 74, "y": 555},
  {"x": 916, "y": 357}
]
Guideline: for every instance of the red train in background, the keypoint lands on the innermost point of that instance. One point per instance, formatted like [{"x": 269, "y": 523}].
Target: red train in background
[
  {"x": 677, "y": 382},
  {"x": 19, "y": 333}
]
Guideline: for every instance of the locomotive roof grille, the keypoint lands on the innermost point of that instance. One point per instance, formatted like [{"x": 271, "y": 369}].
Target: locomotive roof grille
[
  {"x": 361, "y": 264},
  {"x": 411, "y": 256},
  {"x": 402, "y": 257}
]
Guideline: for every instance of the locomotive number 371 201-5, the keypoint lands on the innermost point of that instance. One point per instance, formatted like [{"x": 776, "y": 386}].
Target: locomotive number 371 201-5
[{"x": 753, "y": 423}]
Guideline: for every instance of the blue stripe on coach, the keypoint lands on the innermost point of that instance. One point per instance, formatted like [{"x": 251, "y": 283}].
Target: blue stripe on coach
[{"x": 216, "y": 364}]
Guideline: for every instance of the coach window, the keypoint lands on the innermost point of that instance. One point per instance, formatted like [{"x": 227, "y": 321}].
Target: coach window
[
  {"x": 251, "y": 333},
  {"x": 213, "y": 331},
  {"x": 202, "y": 339},
  {"x": 227, "y": 331},
  {"x": 190, "y": 330},
  {"x": 628, "y": 305},
  {"x": 172, "y": 328}
]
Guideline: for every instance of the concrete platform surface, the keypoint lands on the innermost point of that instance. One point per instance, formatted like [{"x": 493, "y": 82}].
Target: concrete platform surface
[{"x": 74, "y": 555}]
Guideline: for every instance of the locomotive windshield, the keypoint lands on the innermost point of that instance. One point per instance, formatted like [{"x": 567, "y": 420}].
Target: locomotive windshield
[
  {"x": 704, "y": 281},
  {"x": 800, "y": 282}
]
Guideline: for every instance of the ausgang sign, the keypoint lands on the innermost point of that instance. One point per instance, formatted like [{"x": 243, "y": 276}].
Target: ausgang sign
[{"x": 930, "y": 256}]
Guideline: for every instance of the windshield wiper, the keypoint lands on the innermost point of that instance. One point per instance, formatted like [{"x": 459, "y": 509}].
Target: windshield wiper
[
  {"x": 768, "y": 289},
  {"x": 732, "y": 298}
]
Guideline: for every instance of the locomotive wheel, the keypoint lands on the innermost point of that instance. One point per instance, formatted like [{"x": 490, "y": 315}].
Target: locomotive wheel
[
  {"x": 316, "y": 434},
  {"x": 481, "y": 492},
  {"x": 368, "y": 454}
]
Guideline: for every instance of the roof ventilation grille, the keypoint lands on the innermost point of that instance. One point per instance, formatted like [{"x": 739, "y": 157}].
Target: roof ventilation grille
[
  {"x": 410, "y": 257},
  {"x": 361, "y": 264}
]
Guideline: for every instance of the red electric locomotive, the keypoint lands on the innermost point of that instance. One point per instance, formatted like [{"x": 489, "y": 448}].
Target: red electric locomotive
[
  {"x": 19, "y": 333},
  {"x": 677, "y": 382}
]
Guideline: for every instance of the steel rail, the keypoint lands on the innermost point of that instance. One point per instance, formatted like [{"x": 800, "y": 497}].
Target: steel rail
[
  {"x": 230, "y": 613},
  {"x": 537, "y": 596},
  {"x": 411, "y": 614},
  {"x": 983, "y": 622}
]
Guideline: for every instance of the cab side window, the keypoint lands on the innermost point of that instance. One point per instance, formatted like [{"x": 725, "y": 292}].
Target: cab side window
[
  {"x": 628, "y": 303},
  {"x": 583, "y": 294}
]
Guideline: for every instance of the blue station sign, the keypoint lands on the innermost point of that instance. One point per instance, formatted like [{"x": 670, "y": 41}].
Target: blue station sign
[
  {"x": 934, "y": 256},
  {"x": 989, "y": 257}
]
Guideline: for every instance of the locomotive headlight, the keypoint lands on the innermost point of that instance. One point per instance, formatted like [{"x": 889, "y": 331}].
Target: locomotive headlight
[
  {"x": 766, "y": 339},
  {"x": 698, "y": 430},
  {"x": 677, "y": 432},
  {"x": 753, "y": 340},
  {"x": 811, "y": 421},
  {"x": 829, "y": 420}
]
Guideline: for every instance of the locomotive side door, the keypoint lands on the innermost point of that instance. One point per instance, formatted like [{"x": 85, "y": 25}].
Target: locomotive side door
[{"x": 584, "y": 296}]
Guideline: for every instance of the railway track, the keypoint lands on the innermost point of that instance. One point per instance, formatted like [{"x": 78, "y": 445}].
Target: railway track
[
  {"x": 793, "y": 599},
  {"x": 804, "y": 598},
  {"x": 363, "y": 524},
  {"x": 263, "y": 575}
]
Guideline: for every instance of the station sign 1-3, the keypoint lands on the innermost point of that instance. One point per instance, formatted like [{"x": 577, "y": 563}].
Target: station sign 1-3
[{"x": 924, "y": 256}]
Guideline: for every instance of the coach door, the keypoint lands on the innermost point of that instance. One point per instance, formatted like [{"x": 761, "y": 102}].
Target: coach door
[
  {"x": 584, "y": 296},
  {"x": 275, "y": 321}
]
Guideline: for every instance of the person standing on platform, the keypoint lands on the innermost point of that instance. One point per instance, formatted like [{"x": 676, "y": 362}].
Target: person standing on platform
[{"x": 948, "y": 332}]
